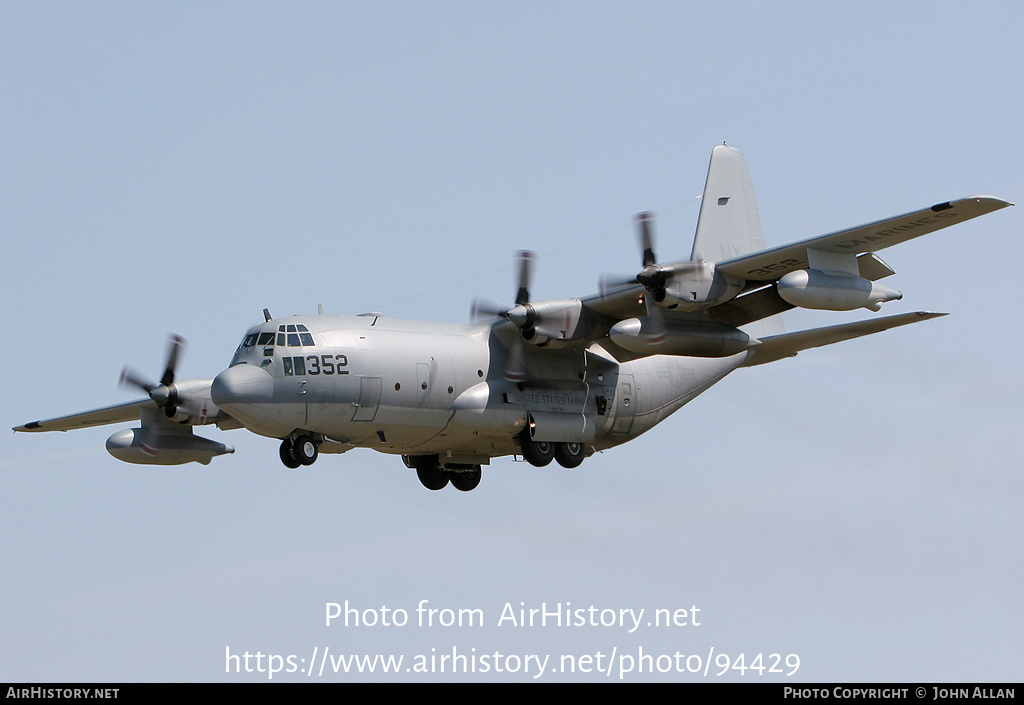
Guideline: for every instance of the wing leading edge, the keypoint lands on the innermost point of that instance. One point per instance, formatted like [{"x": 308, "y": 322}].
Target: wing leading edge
[
  {"x": 772, "y": 264},
  {"x": 118, "y": 413}
]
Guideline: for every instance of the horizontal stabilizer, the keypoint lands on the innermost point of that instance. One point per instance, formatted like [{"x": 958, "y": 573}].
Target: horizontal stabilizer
[{"x": 789, "y": 344}]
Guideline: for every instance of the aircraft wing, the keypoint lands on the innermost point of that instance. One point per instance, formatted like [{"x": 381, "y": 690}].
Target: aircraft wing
[
  {"x": 771, "y": 264},
  {"x": 776, "y": 347},
  {"x": 761, "y": 268},
  {"x": 732, "y": 280},
  {"x": 753, "y": 305},
  {"x": 118, "y": 413}
]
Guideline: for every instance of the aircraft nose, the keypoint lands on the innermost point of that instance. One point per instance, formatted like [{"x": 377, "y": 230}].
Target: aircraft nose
[{"x": 242, "y": 391}]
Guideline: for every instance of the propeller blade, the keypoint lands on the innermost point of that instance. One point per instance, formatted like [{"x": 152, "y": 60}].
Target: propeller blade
[
  {"x": 515, "y": 369},
  {"x": 656, "y": 315},
  {"x": 129, "y": 377},
  {"x": 176, "y": 344},
  {"x": 522, "y": 316},
  {"x": 646, "y": 239},
  {"x": 525, "y": 265},
  {"x": 610, "y": 284},
  {"x": 652, "y": 276},
  {"x": 165, "y": 394},
  {"x": 481, "y": 308}
]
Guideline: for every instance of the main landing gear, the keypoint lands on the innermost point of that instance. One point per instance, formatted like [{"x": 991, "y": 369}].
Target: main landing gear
[
  {"x": 434, "y": 477},
  {"x": 540, "y": 453},
  {"x": 301, "y": 450}
]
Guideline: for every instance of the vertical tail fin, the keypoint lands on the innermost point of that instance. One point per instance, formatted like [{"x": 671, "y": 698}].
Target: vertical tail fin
[{"x": 729, "y": 224}]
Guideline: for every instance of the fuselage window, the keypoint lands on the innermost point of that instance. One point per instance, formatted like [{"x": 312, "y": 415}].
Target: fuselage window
[
  {"x": 306, "y": 338},
  {"x": 293, "y": 339},
  {"x": 287, "y": 363},
  {"x": 266, "y": 339},
  {"x": 300, "y": 366}
]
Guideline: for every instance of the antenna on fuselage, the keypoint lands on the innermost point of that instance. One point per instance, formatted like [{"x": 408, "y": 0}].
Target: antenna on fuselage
[{"x": 266, "y": 314}]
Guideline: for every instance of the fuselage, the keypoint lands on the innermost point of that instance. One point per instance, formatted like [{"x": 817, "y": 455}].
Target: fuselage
[{"x": 416, "y": 388}]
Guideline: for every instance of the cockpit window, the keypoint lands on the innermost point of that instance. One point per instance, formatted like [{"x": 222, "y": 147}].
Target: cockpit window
[
  {"x": 293, "y": 335},
  {"x": 289, "y": 336},
  {"x": 294, "y": 366}
]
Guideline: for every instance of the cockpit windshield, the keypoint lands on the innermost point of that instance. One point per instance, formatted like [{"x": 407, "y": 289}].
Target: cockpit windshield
[
  {"x": 293, "y": 335},
  {"x": 288, "y": 335}
]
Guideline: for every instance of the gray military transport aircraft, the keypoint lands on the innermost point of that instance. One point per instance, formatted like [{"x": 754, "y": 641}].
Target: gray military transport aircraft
[{"x": 544, "y": 380}]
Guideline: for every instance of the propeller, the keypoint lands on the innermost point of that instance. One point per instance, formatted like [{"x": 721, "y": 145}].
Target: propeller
[
  {"x": 653, "y": 277},
  {"x": 522, "y": 316},
  {"x": 165, "y": 394}
]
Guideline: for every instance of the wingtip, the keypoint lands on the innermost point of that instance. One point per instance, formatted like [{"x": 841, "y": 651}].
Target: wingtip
[{"x": 995, "y": 200}]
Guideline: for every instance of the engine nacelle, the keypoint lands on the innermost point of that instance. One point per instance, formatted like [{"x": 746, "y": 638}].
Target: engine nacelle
[
  {"x": 827, "y": 291},
  {"x": 552, "y": 323},
  {"x": 698, "y": 286},
  {"x": 144, "y": 447},
  {"x": 642, "y": 335}
]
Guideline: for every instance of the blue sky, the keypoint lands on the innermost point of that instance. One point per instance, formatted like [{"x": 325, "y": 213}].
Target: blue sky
[{"x": 178, "y": 167}]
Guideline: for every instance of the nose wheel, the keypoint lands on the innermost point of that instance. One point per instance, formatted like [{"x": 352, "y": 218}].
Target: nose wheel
[
  {"x": 298, "y": 451},
  {"x": 286, "y": 454}
]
